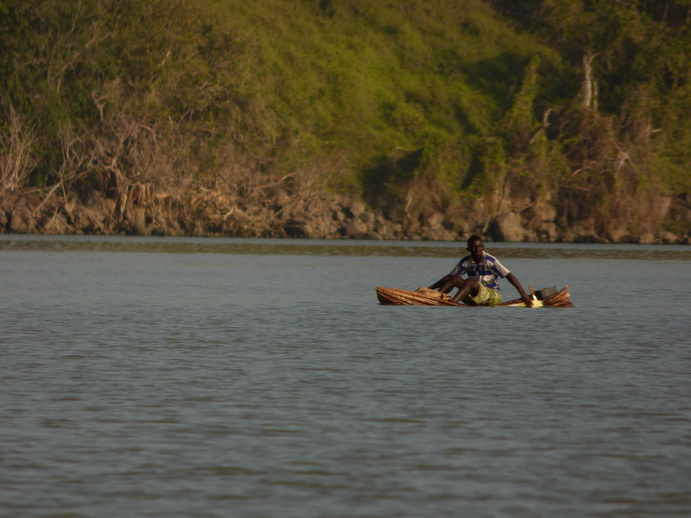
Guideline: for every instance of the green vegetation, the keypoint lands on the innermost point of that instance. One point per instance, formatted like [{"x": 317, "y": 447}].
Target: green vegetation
[{"x": 579, "y": 103}]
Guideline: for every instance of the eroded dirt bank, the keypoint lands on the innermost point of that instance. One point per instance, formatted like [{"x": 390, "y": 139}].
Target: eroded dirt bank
[{"x": 319, "y": 216}]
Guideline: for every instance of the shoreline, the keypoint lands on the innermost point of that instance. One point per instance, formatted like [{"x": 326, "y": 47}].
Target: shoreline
[{"x": 323, "y": 216}]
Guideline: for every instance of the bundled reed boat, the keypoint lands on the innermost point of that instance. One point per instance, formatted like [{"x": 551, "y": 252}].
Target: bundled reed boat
[{"x": 547, "y": 297}]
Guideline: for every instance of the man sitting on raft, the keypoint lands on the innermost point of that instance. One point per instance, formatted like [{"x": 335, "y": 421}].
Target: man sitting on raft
[{"x": 483, "y": 272}]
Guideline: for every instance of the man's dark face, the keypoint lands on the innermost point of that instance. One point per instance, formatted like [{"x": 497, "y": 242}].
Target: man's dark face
[{"x": 476, "y": 249}]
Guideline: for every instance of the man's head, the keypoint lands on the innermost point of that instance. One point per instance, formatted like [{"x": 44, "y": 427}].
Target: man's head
[{"x": 476, "y": 248}]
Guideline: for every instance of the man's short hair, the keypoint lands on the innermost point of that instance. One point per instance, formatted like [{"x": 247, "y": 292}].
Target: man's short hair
[{"x": 473, "y": 238}]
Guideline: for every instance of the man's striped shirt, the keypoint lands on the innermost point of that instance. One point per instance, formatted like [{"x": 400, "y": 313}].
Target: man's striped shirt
[{"x": 487, "y": 272}]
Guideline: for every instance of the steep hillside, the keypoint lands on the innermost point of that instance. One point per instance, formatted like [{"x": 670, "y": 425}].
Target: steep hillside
[{"x": 547, "y": 120}]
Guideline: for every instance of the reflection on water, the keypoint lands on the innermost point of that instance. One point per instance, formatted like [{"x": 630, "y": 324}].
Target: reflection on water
[{"x": 253, "y": 246}]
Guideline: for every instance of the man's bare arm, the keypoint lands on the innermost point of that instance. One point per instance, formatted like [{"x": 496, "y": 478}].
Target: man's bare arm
[{"x": 512, "y": 279}]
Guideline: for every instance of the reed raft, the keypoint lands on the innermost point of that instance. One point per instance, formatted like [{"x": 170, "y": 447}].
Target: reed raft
[{"x": 428, "y": 297}]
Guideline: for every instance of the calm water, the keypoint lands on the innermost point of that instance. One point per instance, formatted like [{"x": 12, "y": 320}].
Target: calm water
[{"x": 261, "y": 378}]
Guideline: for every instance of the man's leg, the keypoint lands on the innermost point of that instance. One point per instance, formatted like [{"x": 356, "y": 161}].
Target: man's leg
[
  {"x": 465, "y": 288},
  {"x": 445, "y": 284}
]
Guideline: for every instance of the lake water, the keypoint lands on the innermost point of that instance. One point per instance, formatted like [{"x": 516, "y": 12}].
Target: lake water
[{"x": 157, "y": 377}]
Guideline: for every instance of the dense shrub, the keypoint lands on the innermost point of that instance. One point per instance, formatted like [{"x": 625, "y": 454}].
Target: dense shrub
[{"x": 419, "y": 102}]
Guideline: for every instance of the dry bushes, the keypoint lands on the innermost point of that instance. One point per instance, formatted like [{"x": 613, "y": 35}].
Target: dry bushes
[{"x": 16, "y": 152}]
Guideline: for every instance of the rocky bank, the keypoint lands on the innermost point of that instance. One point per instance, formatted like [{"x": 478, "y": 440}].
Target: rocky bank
[{"x": 320, "y": 215}]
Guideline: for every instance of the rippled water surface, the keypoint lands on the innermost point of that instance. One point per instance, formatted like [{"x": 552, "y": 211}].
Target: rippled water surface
[{"x": 261, "y": 378}]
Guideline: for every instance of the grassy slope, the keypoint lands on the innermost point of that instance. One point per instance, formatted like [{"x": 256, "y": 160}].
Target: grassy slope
[
  {"x": 365, "y": 78},
  {"x": 441, "y": 100}
]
